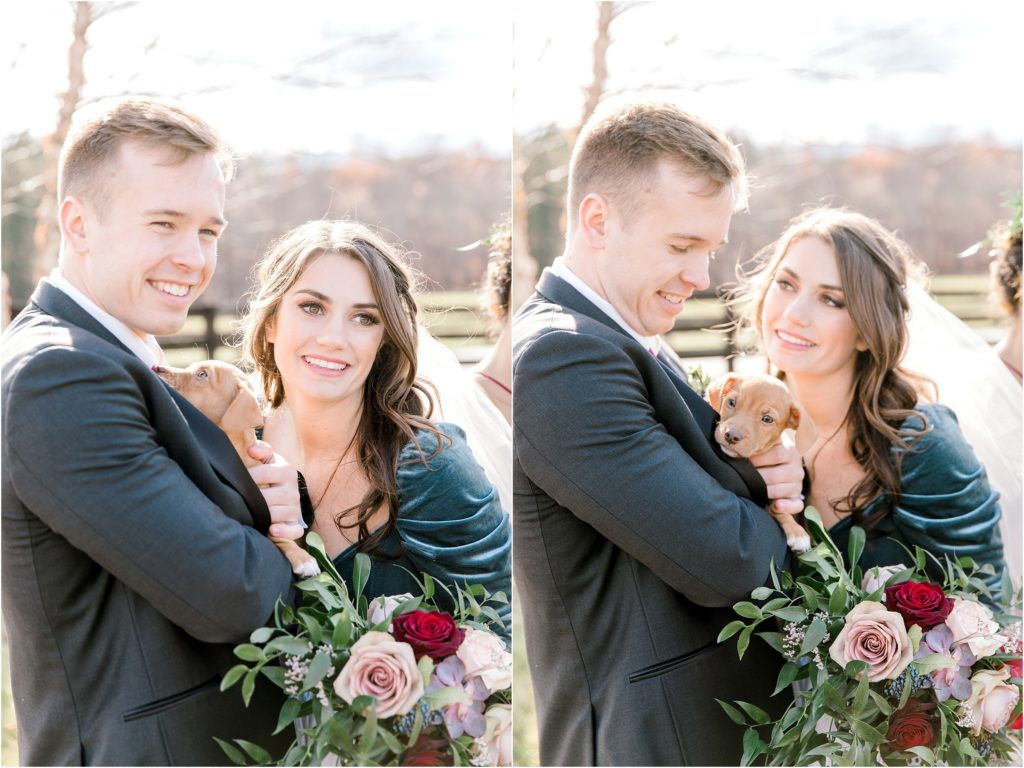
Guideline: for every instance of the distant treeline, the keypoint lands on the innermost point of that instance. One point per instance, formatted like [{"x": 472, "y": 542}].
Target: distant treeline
[
  {"x": 941, "y": 198},
  {"x": 432, "y": 203}
]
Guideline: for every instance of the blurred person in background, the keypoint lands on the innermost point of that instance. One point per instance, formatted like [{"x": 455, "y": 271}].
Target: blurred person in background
[{"x": 1006, "y": 266}]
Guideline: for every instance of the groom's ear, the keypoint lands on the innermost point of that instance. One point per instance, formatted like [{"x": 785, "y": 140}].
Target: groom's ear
[
  {"x": 806, "y": 431},
  {"x": 72, "y": 218},
  {"x": 593, "y": 215}
]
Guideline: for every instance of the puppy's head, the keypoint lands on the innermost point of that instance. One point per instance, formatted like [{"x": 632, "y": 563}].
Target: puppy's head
[
  {"x": 755, "y": 409},
  {"x": 219, "y": 390}
]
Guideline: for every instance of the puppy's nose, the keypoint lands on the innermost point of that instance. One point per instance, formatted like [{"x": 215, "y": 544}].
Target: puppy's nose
[{"x": 733, "y": 436}]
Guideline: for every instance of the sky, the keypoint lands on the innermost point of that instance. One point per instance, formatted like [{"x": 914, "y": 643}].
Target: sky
[
  {"x": 320, "y": 77},
  {"x": 801, "y": 72}
]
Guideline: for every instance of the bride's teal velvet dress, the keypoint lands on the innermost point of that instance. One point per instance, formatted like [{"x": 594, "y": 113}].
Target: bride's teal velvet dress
[
  {"x": 450, "y": 525},
  {"x": 946, "y": 505}
]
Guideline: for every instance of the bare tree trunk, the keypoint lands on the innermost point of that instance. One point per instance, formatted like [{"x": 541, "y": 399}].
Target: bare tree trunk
[
  {"x": 46, "y": 235},
  {"x": 606, "y": 12},
  {"x": 524, "y": 265}
]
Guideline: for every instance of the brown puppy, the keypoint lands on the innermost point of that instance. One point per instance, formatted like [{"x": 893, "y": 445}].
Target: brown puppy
[
  {"x": 755, "y": 409},
  {"x": 220, "y": 391}
]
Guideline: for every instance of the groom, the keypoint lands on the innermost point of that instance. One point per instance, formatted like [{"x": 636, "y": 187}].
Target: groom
[
  {"x": 134, "y": 547},
  {"x": 633, "y": 533}
]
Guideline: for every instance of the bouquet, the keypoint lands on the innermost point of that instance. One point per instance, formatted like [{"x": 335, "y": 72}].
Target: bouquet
[
  {"x": 888, "y": 667},
  {"x": 389, "y": 681}
]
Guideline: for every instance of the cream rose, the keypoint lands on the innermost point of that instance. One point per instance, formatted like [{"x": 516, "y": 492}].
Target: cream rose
[
  {"x": 384, "y": 668},
  {"x": 876, "y": 577},
  {"x": 875, "y": 635},
  {"x": 495, "y": 746},
  {"x": 484, "y": 656},
  {"x": 382, "y": 607},
  {"x": 992, "y": 699},
  {"x": 972, "y": 623}
]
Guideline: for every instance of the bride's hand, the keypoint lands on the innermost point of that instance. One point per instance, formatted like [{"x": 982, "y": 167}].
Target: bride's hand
[
  {"x": 782, "y": 470},
  {"x": 278, "y": 481}
]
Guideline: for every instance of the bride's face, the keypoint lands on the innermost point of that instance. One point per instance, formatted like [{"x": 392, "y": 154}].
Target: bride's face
[
  {"x": 807, "y": 328},
  {"x": 327, "y": 330}
]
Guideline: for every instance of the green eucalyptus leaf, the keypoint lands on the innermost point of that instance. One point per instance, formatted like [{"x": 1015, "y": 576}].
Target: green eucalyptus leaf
[
  {"x": 747, "y": 610},
  {"x": 293, "y": 646},
  {"x": 289, "y": 711},
  {"x": 360, "y": 574},
  {"x": 249, "y": 685},
  {"x": 762, "y": 593},
  {"x": 342, "y": 632},
  {"x": 756, "y": 714},
  {"x": 232, "y": 676},
  {"x": 774, "y": 639},
  {"x": 255, "y": 751},
  {"x": 791, "y": 613},
  {"x": 926, "y": 755},
  {"x": 734, "y": 714},
  {"x": 730, "y": 629},
  {"x": 234, "y": 754},
  {"x": 744, "y": 640},
  {"x": 274, "y": 674},
  {"x": 837, "y": 600},
  {"x": 933, "y": 661},
  {"x": 752, "y": 746},
  {"x": 318, "y": 668},
  {"x": 261, "y": 635},
  {"x": 786, "y": 676},
  {"x": 774, "y": 604},
  {"x": 815, "y": 634},
  {"x": 855, "y": 545},
  {"x": 247, "y": 652},
  {"x": 867, "y": 732}
]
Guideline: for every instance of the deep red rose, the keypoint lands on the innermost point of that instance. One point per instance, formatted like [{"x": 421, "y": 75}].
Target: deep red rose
[
  {"x": 428, "y": 751},
  {"x": 912, "y": 726},
  {"x": 921, "y": 603},
  {"x": 430, "y": 633}
]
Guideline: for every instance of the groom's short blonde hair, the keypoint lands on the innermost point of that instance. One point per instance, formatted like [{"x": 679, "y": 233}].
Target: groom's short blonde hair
[
  {"x": 99, "y": 130},
  {"x": 621, "y": 145}
]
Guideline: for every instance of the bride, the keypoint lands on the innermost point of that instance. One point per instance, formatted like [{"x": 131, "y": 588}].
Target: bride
[{"x": 829, "y": 302}]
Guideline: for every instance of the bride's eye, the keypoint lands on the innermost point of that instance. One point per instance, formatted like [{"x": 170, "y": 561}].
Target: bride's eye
[
  {"x": 312, "y": 307},
  {"x": 366, "y": 319},
  {"x": 832, "y": 301},
  {"x": 784, "y": 284}
]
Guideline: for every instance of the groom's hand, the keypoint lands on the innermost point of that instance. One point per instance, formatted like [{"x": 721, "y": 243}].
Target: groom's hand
[
  {"x": 782, "y": 470},
  {"x": 279, "y": 483}
]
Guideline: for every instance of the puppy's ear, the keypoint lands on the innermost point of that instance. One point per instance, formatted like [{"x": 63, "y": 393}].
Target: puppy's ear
[
  {"x": 806, "y": 431},
  {"x": 243, "y": 413},
  {"x": 721, "y": 387}
]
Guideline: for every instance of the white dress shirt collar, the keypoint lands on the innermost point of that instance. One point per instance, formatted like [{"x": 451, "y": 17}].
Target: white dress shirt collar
[
  {"x": 147, "y": 350},
  {"x": 562, "y": 270}
]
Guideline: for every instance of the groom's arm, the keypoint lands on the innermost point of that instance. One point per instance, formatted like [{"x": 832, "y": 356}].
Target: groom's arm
[
  {"x": 587, "y": 434},
  {"x": 84, "y": 457}
]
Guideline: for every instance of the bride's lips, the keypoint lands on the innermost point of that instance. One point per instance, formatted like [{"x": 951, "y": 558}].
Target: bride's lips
[
  {"x": 790, "y": 340},
  {"x": 322, "y": 365}
]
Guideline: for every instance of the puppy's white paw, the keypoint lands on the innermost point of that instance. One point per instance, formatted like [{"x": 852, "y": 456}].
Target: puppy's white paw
[
  {"x": 799, "y": 543},
  {"x": 306, "y": 568}
]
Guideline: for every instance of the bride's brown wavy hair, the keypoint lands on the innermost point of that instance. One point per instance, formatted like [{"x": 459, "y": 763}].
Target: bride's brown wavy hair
[
  {"x": 395, "y": 402},
  {"x": 874, "y": 269}
]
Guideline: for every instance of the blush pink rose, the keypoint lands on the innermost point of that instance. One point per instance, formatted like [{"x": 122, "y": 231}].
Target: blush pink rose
[
  {"x": 972, "y": 623},
  {"x": 484, "y": 656},
  {"x": 992, "y": 699},
  {"x": 382, "y": 607},
  {"x": 875, "y": 635},
  {"x": 384, "y": 668}
]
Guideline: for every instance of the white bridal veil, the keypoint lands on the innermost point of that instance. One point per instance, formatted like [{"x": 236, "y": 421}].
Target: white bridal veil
[
  {"x": 986, "y": 398},
  {"x": 464, "y": 404}
]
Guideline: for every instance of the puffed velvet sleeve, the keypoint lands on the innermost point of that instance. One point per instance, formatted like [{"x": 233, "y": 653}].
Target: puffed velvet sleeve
[
  {"x": 946, "y": 504},
  {"x": 450, "y": 518}
]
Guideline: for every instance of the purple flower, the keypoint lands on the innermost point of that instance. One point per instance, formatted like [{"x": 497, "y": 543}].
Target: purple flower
[
  {"x": 461, "y": 718},
  {"x": 948, "y": 683}
]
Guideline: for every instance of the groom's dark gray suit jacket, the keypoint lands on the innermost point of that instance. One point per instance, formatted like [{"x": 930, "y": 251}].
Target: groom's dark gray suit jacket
[
  {"x": 632, "y": 535},
  {"x": 130, "y": 562}
]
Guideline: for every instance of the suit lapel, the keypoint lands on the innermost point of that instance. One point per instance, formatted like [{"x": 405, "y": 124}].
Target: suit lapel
[{"x": 214, "y": 443}]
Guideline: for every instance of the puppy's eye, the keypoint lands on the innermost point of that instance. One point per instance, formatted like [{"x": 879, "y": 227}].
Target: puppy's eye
[
  {"x": 731, "y": 402},
  {"x": 767, "y": 419},
  {"x": 202, "y": 374}
]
